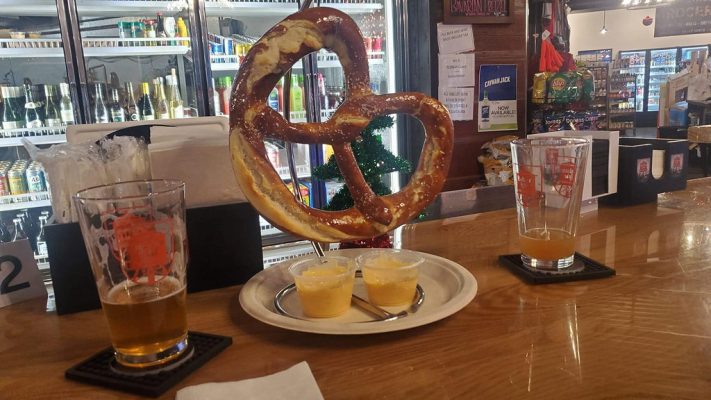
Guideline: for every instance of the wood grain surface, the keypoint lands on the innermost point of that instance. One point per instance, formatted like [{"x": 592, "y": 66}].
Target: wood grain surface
[{"x": 643, "y": 334}]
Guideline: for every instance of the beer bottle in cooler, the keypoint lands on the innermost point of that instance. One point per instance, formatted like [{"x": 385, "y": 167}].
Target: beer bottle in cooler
[
  {"x": 162, "y": 111},
  {"x": 147, "y": 111},
  {"x": 176, "y": 100},
  {"x": 52, "y": 114},
  {"x": 41, "y": 240},
  {"x": 297, "y": 98},
  {"x": 19, "y": 233},
  {"x": 32, "y": 118},
  {"x": 132, "y": 109},
  {"x": 11, "y": 119},
  {"x": 66, "y": 108},
  {"x": 101, "y": 113},
  {"x": 117, "y": 112}
]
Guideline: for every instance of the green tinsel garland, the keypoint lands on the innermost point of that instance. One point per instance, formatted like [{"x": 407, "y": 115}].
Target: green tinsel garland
[{"x": 373, "y": 159}]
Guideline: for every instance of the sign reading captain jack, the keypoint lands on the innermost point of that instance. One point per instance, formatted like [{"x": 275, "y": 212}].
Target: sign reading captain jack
[{"x": 497, "y": 98}]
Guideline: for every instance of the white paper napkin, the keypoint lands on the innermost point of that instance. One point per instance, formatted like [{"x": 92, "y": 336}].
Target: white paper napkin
[{"x": 296, "y": 382}]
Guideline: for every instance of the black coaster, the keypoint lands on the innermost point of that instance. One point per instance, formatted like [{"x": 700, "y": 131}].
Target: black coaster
[
  {"x": 101, "y": 368},
  {"x": 591, "y": 269}
]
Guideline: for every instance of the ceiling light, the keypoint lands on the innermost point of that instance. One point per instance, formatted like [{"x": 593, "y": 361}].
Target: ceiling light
[{"x": 604, "y": 27}]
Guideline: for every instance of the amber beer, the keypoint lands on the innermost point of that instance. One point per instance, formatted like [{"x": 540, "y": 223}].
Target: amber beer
[
  {"x": 145, "y": 320},
  {"x": 547, "y": 244}
]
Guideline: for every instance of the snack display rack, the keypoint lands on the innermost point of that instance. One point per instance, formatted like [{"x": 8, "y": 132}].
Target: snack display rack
[
  {"x": 599, "y": 103},
  {"x": 622, "y": 101}
]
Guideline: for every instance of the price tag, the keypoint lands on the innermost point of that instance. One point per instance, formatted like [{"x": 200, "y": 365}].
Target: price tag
[{"x": 20, "y": 278}]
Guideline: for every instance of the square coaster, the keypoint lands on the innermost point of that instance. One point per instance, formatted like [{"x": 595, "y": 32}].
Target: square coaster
[
  {"x": 101, "y": 370},
  {"x": 591, "y": 269}
]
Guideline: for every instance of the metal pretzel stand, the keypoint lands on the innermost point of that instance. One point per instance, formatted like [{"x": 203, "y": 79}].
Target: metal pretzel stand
[{"x": 313, "y": 114}]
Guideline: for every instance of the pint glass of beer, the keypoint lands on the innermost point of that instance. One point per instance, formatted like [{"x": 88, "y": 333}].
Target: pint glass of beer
[
  {"x": 136, "y": 240},
  {"x": 549, "y": 174}
]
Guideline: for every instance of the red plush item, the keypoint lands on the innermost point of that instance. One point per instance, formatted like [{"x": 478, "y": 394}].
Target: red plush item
[{"x": 551, "y": 60}]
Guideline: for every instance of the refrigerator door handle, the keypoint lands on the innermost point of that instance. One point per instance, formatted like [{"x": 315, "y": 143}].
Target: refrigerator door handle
[{"x": 74, "y": 41}]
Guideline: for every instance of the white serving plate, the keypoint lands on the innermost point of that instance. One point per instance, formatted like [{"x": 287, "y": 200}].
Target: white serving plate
[{"x": 448, "y": 288}]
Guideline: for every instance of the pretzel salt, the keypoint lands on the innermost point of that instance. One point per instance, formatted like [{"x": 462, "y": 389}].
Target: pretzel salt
[{"x": 252, "y": 120}]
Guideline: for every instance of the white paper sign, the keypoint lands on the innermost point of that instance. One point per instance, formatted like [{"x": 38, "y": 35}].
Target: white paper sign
[
  {"x": 454, "y": 39},
  {"x": 457, "y": 70},
  {"x": 459, "y": 102},
  {"x": 20, "y": 278}
]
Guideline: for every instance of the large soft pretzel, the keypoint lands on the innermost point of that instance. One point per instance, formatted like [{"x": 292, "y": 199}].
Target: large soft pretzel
[{"x": 252, "y": 120}]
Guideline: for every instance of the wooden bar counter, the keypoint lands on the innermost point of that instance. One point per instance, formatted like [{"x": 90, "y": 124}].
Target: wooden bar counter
[{"x": 643, "y": 334}]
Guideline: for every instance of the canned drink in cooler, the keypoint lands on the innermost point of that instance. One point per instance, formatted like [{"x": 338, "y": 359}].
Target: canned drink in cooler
[
  {"x": 20, "y": 164},
  {"x": 4, "y": 184},
  {"x": 228, "y": 48},
  {"x": 16, "y": 181},
  {"x": 35, "y": 179}
]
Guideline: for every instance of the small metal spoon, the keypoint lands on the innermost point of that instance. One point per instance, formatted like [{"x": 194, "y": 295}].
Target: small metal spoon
[{"x": 375, "y": 310}]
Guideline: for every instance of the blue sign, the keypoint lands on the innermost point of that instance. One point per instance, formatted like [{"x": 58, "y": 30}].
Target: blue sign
[{"x": 497, "y": 98}]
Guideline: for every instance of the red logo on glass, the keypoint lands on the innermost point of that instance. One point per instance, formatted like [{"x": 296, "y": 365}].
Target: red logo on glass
[
  {"x": 526, "y": 186},
  {"x": 143, "y": 246}
]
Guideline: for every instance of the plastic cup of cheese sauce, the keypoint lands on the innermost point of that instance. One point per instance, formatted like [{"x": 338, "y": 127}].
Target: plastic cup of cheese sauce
[
  {"x": 390, "y": 276},
  {"x": 324, "y": 285}
]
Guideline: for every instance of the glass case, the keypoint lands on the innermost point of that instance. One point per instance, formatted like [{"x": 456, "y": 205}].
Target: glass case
[
  {"x": 37, "y": 101},
  {"x": 232, "y": 28},
  {"x": 138, "y": 60},
  {"x": 662, "y": 65},
  {"x": 636, "y": 66}
]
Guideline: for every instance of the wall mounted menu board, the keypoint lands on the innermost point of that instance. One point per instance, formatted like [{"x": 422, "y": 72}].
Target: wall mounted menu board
[
  {"x": 477, "y": 12},
  {"x": 683, "y": 18}
]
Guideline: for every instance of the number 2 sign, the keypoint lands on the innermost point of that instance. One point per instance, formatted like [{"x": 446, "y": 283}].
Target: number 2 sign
[{"x": 20, "y": 278}]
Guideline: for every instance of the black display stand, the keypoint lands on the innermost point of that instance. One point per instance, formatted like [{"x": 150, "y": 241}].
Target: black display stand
[
  {"x": 224, "y": 244},
  {"x": 635, "y": 181}
]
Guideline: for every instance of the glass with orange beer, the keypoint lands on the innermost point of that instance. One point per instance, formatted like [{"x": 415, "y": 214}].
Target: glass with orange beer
[
  {"x": 549, "y": 175},
  {"x": 136, "y": 240}
]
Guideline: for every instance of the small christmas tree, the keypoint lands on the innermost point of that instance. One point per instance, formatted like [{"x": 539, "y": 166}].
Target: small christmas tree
[{"x": 373, "y": 159}]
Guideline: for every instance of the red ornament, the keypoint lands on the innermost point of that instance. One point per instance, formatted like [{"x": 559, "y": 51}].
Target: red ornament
[
  {"x": 646, "y": 21},
  {"x": 378, "y": 242}
]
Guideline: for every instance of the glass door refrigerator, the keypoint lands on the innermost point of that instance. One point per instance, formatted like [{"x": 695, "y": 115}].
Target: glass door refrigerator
[
  {"x": 662, "y": 65},
  {"x": 136, "y": 60},
  {"x": 637, "y": 66},
  {"x": 686, "y": 53},
  {"x": 37, "y": 101},
  {"x": 233, "y": 26}
]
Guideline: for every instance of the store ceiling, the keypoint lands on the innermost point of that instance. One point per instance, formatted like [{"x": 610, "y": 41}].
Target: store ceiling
[{"x": 579, "y": 6}]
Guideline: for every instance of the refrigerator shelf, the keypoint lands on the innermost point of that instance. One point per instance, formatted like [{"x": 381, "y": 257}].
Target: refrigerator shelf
[
  {"x": 93, "y": 47},
  {"x": 324, "y": 59},
  {"x": 94, "y": 8},
  {"x": 302, "y": 171},
  {"x": 22, "y": 201},
  {"x": 13, "y": 137},
  {"x": 230, "y": 8},
  {"x": 129, "y": 8},
  {"x": 135, "y": 51}
]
